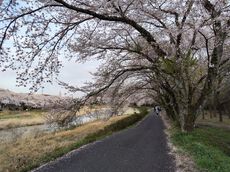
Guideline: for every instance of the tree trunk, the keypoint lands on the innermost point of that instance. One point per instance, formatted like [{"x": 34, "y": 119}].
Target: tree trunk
[
  {"x": 188, "y": 117},
  {"x": 211, "y": 113},
  {"x": 189, "y": 123},
  {"x": 220, "y": 116},
  {"x": 214, "y": 101},
  {"x": 203, "y": 114},
  {"x": 219, "y": 106}
]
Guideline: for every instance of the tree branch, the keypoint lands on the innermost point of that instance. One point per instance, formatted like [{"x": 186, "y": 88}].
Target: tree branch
[{"x": 147, "y": 35}]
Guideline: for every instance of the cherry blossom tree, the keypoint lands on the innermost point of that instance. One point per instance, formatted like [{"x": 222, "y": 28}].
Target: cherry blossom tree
[{"x": 170, "y": 51}]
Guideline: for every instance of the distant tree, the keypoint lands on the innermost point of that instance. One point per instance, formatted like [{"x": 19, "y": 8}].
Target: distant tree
[{"x": 170, "y": 50}]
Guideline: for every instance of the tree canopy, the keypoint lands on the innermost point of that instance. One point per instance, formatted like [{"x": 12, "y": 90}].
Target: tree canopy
[{"x": 172, "y": 51}]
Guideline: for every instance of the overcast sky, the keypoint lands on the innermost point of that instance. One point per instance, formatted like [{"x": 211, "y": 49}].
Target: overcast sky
[{"x": 73, "y": 73}]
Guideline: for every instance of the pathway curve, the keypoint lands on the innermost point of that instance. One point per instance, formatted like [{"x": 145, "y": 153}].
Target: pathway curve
[{"x": 142, "y": 148}]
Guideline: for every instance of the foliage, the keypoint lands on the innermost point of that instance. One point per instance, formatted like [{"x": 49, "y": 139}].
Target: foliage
[{"x": 169, "y": 66}]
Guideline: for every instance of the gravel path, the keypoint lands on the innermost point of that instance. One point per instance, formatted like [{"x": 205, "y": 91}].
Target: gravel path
[{"x": 142, "y": 148}]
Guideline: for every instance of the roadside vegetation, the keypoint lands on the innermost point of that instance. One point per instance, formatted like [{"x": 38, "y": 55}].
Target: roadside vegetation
[
  {"x": 209, "y": 147},
  {"x": 29, "y": 153}
]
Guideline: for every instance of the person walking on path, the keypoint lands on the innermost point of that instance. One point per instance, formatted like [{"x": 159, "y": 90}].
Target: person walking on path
[{"x": 157, "y": 110}]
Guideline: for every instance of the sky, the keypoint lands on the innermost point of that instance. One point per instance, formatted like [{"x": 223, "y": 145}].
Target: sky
[{"x": 73, "y": 73}]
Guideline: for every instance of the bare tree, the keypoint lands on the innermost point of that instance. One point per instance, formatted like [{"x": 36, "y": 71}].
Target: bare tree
[{"x": 172, "y": 50}]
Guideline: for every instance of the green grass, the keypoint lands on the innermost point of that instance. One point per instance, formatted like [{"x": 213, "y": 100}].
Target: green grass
[
  {"x": 108, "y": 130},
  {"x": 209, "y": 147},
  {"x": 19, "y": 114}
]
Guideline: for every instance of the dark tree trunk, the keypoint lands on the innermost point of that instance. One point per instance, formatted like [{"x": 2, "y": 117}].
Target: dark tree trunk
[
  {"x": 189, "y": 123},
  {"x": 220, "y": 116},
  {"x": 214, "y": 100},
  {"x": 217, "y": 53},
  {"x": 220, "y": 107},
  {"x": 211, "y": 114},
  {"x": 203, "y": 114}
]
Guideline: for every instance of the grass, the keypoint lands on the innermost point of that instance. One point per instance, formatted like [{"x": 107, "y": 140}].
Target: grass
[
  {"x": 209, "y": 147},
  {"x": 214, "y": 120},
  {"x": 13, "y": 119},
  {"x": 26, "y": 154}
]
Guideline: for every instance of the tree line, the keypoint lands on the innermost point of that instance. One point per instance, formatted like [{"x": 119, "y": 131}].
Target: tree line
[{"x": 174, "y": 52}]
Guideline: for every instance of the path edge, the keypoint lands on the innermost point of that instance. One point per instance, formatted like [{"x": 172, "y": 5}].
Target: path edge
[
  {"x": 183, "y": 162},
  {"x": 69, "y": 154}
]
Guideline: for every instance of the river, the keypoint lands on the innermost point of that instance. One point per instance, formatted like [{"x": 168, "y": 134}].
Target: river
[{"x": 9, "y": 135}]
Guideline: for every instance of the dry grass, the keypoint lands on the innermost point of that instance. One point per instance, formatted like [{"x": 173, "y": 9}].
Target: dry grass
[
  {"x": 17, "y": 155},
  {"x": 131, "y": 110},
  {"x": 87, "y": 109},
  {"x": 13, "y": 119}
]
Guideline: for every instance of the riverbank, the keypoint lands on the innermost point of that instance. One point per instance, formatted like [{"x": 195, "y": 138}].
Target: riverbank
[
  {"x": 16, "y": 119},
  {"x": 25, "y": 154}
]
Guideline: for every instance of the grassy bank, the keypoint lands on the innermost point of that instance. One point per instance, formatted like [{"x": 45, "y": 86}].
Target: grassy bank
[
  {"x": 26, "y": 154},
  {"x": 14, "y": 119},
  {"x": 214, "y": 121},
  {"x": 209, "y": 147}
]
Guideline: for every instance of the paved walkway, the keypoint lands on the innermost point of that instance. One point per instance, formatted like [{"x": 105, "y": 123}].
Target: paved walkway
[{"x": 141, "y": 148}]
